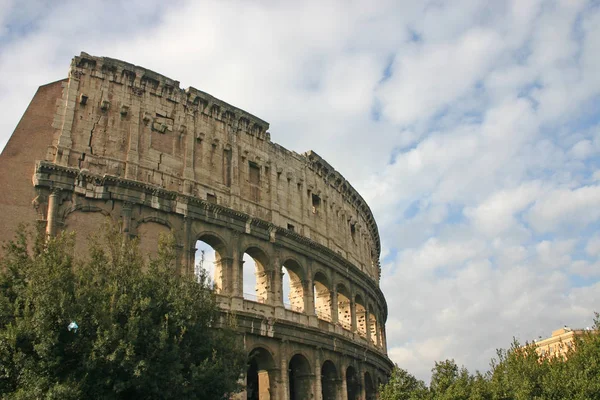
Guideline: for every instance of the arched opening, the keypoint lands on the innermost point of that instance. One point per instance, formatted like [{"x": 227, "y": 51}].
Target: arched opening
[
  {"x": 293, "y": 291},
  {"x": 299, "y": 378},
  {"x": 373, "y": 328},
  {"x": 256, "y": 282},
  {"x": 344, "y": 310},
  {"x": 361, "y": 314},
  {"x": 322, "y": 297},
  {"x": 259, "y": 381},
  {"x": 370, "y": 391},
  {"x": 352, "y": 384},
  {"x": 208, "y": 263},
  {"x": 329, "y": 381}
]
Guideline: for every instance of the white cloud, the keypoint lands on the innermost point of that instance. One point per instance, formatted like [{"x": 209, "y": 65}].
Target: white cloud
[
  {"x": 427, "y": 77},
  {"x": 562, "y": 208}
]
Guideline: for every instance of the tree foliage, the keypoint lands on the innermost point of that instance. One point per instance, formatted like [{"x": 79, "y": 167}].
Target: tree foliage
[
  {"x": 518, "y": 373},
  {"x": 144, "y": 331}
]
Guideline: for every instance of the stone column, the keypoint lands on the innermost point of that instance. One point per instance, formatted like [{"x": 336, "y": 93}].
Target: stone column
[
  {"x": 52, "y": 215},
  {"x": 368, "y": 325},
  {"x": 236, "y": 289},
  {"x": 223, "y": 272},
  {"x": 277, "y": 284},
  {"x": 378, "y": 331},
  {"x": 334, "y": 307},
  {"x": 344, "y": 385},
  {"x": 309, "y": 297},
  {"x": 361, "y": 379},
  {"x": 189, "y": 250},
  {"x": 353, "y": 315},
  {"x": 284, "y": 391},
  {"x": 318, "y": 393}
]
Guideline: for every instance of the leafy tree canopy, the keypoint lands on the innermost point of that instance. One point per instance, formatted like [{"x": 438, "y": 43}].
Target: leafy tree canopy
[
  {"x": 109, "y": 327},
  {"x": 518, "y": 373}
]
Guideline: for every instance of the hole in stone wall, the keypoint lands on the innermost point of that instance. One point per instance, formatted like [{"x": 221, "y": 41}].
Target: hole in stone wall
[
  {"x": 344, "y": 310},
  {"x": 316, "y": 203},
  {"x": 249, "y": 278},
  {"x": 293, "y": 291},
  {"x": 361, "y": 313},
  {"x": 204, "y": 263},
  {"x": 322, "y": 297},
  {"x": 373, "y": 328},
  {"x": 256, "y": 283}
]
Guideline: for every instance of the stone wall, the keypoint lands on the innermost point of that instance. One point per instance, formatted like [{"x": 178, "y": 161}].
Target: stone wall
[
  {"x": 119, "y": 143},
  {"x": 126, "y": 121}
]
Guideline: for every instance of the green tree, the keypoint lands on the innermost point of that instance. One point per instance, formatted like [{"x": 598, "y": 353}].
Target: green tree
[
  {"x": 144, "y": 331},
  {"x": 581, "y": 371},
  {"x": 403, "y": 386}
]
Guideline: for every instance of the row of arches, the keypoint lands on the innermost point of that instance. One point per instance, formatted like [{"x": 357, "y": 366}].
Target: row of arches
[
  {"x": 288, "y": 285},
  {"x": 303, "y": 381}
]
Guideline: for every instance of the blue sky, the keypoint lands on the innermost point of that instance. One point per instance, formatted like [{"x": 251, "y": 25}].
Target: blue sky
[{"x": 470, "y": 127}]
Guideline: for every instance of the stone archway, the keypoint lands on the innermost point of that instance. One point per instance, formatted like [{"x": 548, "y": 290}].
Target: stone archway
[
  {"x": 256, "y": 275},
  {"x": 352, "y": 384},
  {"x": 322, "y": 297},
  {"x": 344, "y": 307},
  {"x": 370, "y": 390},
  {"x": 211, "y": 255},
  {"x": 259, "y": 375},
  {"x": 329, "y": 381},
  {"x": 300, "y": 378},
  {"x": 292, "y": 276}
]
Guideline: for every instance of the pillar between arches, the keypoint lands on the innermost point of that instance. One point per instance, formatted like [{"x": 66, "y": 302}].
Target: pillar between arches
[
  {"x": 223, "y": 275},
  {"x": 334, "y": 307},
  {"x": 318, "y": 389},
  {"x": 309, "y": 297},
  {"x": 353, "y": 315},
  {"x": 368, "y": 325},
  {"x": 52, "y": 214}
]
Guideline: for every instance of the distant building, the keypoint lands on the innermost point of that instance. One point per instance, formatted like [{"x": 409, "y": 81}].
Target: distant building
[{"x": 559, "y": 343}]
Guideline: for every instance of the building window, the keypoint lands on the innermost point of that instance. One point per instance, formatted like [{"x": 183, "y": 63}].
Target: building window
[
  {"x": 211, "y": 198},
  {"x": 291, "y": 227},
  {"x": 316, "y": 203},
  {"x": 254, "y": 179}
]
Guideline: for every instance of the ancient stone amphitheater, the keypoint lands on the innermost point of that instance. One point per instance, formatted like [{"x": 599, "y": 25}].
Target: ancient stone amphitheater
[{"x": 117, "y": 140}]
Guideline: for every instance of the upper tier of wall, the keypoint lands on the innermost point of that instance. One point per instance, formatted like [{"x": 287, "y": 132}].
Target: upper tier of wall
[{"x": 119, "y": 119}]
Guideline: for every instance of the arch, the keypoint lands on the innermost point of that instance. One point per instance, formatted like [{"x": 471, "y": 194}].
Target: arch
[
  {"x": 84, "y": 208},
  {"x": 292, "y": 277},
  {"x": 149, "y": 233},
  {"x": 255, "y": 274},
  {"x": 373, "y": 327},
  {"x": 85, "y": 226},
  {"x": 329, "y": 381},
  {"x": 259, "y": 374},
  {"x": 210, "y": 255},
  {"x": 300, "y": 377},
  {"x": 352, "y": 384},
  {"x": 322, "y": 296},
  {"x": 361, "y": 315},
  {"x": 370, "y": 391},
  {"x": 344, "y": 307},
  {"x": 156, "y": 219}
]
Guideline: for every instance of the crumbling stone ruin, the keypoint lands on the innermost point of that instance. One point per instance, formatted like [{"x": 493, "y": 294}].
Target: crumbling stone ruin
[{"x": 118, "y": 141}]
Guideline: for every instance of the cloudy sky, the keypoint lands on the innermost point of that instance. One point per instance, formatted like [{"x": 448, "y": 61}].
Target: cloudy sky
[{"x": 471, "y": 129}]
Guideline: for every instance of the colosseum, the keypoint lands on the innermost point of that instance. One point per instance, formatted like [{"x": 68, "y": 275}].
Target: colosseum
[{"x": 120, "y": 141}]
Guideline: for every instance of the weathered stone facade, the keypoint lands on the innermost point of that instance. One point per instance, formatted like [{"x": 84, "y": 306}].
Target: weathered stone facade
[{"x": 119, "y": 141}]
